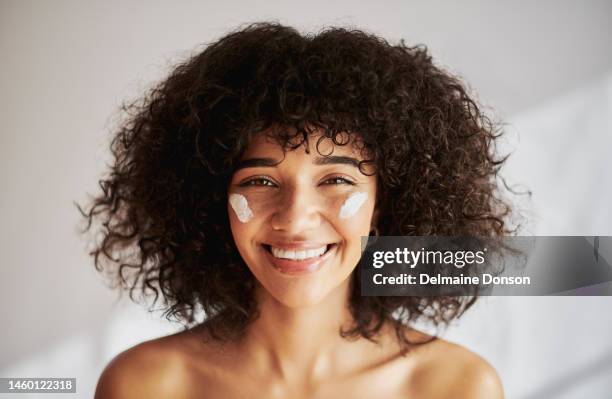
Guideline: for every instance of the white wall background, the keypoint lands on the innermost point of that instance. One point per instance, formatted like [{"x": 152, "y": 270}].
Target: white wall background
[
  {"x": 555, "y": 347},
  {"x": 66, "y": 65}
]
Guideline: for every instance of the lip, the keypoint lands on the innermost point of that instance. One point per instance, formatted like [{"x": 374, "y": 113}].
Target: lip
[
  {"x": 299, "y": 267},
  {"x": 297, "y": 245}
]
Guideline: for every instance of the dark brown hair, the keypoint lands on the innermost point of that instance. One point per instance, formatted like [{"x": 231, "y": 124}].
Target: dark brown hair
[{"x": 163, "y": 205}]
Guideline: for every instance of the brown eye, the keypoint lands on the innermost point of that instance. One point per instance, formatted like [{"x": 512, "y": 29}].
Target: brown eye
[
  {"x": 337, "y": 180},
  {"x": 258, "y": 181}
]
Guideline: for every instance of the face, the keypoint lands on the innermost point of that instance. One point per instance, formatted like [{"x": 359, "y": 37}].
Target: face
[{"x": 297, "y": 218}]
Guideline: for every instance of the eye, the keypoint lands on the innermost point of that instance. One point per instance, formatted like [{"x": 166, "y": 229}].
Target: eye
[
  {"x": 338, "y": 180},
  {"x": 257, "y": 181}
]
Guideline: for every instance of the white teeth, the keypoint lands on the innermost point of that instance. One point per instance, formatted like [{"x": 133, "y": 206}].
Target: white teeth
[{"x": 298, "y": 255}]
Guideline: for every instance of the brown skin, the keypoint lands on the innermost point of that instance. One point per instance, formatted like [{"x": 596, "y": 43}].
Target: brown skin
[
  {"x": 294, "y": 350},
  {"x": 181, "y": 366}
]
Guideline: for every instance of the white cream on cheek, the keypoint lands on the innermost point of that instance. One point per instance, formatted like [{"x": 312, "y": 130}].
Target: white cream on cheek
[
  {"x": 352, "y": 204},
  {"x": 240, "y": 205}
]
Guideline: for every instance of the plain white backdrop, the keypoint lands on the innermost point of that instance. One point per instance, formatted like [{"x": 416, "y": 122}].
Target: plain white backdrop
[{"x": 543, "y": 67}]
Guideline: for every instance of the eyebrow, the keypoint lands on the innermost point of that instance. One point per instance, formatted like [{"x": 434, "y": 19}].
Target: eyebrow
[{"x": 270, "y": 162}]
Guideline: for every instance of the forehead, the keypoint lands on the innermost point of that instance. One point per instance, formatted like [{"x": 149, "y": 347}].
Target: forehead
[{"x": 264, "y": 143}]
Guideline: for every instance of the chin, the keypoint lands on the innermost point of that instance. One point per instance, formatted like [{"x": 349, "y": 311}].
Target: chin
[
  {"x": 306, "y": 292},
  {"x": 299, "y": 295}
]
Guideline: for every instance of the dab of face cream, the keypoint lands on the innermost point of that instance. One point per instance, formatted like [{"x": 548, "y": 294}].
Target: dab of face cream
[
  {"x": 352, "y": 204},
  {"x": 240, "y": 205}
]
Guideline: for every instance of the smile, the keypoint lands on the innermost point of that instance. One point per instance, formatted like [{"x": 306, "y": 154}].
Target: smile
[
  {"x": 291, "y": 254},
  {"x": 298, "y": 261}
]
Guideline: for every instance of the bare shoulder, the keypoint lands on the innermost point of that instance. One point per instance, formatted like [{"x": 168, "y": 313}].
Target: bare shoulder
[
  {"x": 150, "y": 369},
  {"x": 472, "y": 377},
  {"x": 448, "y": 370}
]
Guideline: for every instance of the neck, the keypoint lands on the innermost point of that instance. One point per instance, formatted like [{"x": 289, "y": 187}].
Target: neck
[{"x": 301, "y": 344}]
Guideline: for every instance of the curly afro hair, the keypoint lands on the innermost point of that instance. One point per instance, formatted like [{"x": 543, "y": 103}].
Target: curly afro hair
[{"x": 163, "y": 205}]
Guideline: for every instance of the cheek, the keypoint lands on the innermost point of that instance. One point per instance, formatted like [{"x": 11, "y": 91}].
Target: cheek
[
  {"x": 352, "y": 216},
  {"x": 258, "y": 204},
  {"x": 243, "y": 217},
  {"x": 240, "y": 205},
  {"x": 353, "y": 203}
]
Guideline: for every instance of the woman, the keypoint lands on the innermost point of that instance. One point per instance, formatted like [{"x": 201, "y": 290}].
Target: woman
[{"x": 244, "y": 182}]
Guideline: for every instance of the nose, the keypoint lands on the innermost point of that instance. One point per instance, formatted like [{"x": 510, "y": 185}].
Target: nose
[{"x": 297, "y": 211}]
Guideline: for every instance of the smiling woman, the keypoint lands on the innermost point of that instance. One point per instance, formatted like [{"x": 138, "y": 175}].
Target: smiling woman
[
  {"x": 242, "y": 186},
  {"x": 309, "y": 214}
]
